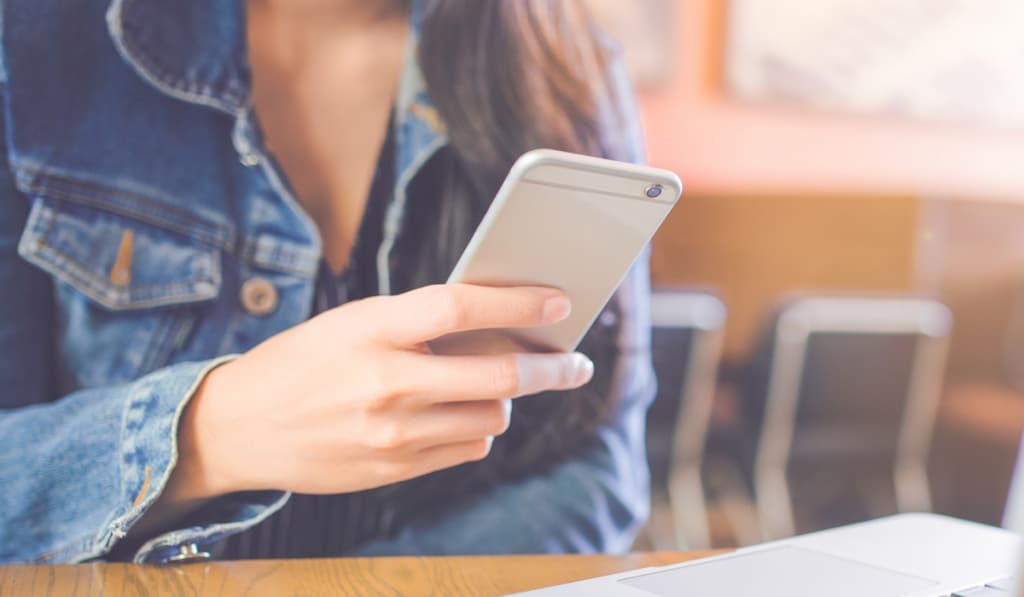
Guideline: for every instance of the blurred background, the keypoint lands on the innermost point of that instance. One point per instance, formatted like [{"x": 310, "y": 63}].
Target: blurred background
[{"x": 840, "y": 293}]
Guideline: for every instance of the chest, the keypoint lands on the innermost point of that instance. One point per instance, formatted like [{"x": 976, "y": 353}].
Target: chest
[{"x": 324, "y": 109}]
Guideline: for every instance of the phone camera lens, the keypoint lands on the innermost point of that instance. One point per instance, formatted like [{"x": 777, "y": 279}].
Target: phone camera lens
[{"x": 654, "y": 191}]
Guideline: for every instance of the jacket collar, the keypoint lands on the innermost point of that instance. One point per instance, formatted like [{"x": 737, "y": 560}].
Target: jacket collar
[{"x": 194, "y": 50}]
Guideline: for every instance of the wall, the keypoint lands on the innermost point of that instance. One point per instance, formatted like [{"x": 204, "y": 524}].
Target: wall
[
  {"x": 754, "y": 250},
  {"x": 778, "y": 199},
  {"x": 721, "y": 146}
]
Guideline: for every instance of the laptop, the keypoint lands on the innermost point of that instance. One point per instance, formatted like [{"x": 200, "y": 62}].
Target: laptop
[{"x": 907, "y": 555}]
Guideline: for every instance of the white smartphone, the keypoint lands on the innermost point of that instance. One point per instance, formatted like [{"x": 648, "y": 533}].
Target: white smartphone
[{"x": 572, "y": 222}]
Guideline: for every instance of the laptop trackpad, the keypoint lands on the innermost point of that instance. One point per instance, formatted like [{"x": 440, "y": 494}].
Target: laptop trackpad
[{"x": 784, "y": 571}]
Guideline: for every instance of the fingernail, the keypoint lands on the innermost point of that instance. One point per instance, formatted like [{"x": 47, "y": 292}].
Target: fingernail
[
  {"x": 556, "y": 309},
  {"x": 584, "y": 369}
]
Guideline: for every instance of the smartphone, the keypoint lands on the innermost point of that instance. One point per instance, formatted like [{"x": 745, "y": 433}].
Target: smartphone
[{"x": 572, "y": 222}]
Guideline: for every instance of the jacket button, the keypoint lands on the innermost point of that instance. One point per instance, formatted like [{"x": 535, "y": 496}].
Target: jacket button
[
  {"x": 188, "y": 553},
  {"x": 249, "y": 159},
  {"x": 259, "y": 297}
]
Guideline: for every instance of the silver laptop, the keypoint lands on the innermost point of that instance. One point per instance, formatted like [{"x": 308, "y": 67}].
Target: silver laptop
[{"x": 907, "y": 555}]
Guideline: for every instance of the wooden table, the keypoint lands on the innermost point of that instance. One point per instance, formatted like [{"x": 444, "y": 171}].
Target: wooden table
[{"x": 478, "y": 576}]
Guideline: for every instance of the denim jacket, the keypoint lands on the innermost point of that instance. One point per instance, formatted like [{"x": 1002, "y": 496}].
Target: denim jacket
[{"x": 146, "y": 236}]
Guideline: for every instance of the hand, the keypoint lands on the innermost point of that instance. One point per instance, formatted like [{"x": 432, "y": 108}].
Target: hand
[
  {"x": 354, "y": 399},
  {"x": 482, "y": 342}
]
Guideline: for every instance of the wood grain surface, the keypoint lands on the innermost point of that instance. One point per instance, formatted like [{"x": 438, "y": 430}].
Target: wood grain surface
[{"x": 477, "y": 576}]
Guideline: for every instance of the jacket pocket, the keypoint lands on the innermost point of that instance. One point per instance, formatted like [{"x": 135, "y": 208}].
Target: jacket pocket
[
  {"x": 120, "y": 262},
  {"x": 129, "y": 292}
]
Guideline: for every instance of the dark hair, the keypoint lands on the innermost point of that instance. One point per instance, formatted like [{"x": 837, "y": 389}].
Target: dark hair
[
  {"x": 507, "y": 76},
  {"x": 512, "y": 76}
]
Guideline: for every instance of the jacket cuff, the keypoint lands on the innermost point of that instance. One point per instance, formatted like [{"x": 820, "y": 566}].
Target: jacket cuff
[
  {"x": 228, "y": 515},
  {"x": 149, "y": 452}
]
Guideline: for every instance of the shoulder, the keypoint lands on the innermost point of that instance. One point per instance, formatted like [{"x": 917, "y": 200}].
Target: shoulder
[
  {"x": 50, "y": 37},
  {"x": 31, "y": 17},
  {"x": 64, "y": 82}
]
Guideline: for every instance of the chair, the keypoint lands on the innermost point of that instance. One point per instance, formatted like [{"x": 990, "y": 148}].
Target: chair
[
  {"x": 1013, "y": 340},
  {"x": 686, "y": 347},
  {"x": 847, "y": 380}
]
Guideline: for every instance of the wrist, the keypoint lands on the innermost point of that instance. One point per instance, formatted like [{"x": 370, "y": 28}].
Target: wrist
[{"x": 204, "y": 470}]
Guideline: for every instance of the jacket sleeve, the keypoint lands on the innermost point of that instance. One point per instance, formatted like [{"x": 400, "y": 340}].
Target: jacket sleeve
[
  {"x": 599, "y": 500},
  {"x": 77, "y": 471}
]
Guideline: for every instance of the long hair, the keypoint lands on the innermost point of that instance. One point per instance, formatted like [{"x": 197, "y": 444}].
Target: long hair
[
  {"x": 512, "y": 76},
  {"x": 508, "y": 76}
]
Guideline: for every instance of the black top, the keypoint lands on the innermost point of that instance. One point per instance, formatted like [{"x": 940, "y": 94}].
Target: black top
[{"x": 326, "y": 525}]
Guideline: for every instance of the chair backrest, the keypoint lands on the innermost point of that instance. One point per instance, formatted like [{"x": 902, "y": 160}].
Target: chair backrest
[
  {"x": 686, "y": 347},
  {"x": 857, "y": 363},
  {"x": 851, "y": 376},
  {"x": 1013, "y": 340},
  {"x": 853, "y": 393}
]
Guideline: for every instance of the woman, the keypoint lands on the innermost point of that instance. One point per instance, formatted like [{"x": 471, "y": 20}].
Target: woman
[{"x": 153, "y": 229}]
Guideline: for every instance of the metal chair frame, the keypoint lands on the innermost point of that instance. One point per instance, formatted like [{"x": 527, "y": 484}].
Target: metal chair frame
[
  {"x": 1013, "y": 339},
  {"x": 929, "y": 320},
  {"x": 705, "y": 315}
]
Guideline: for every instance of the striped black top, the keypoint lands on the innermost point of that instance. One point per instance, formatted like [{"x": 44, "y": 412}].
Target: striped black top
[{"x": 329, "y": 525}]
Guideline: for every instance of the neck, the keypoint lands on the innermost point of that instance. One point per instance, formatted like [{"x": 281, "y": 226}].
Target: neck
[{"x": 326, "y": 13}]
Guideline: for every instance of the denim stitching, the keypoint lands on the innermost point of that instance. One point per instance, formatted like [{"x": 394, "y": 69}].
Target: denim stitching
[
  {"x": 282, "y": 259},
  {"x": 159, "y": 483},
  {"x": 69, "y": 270},
  {"x": 62, "y": 259},
  {"x": 132, "y": 50},
  {"x": 81, "y": 546},
  {"x": 212, "y": 532},
  {"x": 396, "y": 212},
  {"x": 176, "y": 292},
  {"x": 36, "y": 182}
]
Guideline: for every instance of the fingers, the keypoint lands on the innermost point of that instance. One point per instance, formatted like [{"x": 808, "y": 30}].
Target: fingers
[
  {"x": 458, "y": 422},
  {"x": 446, "y": 456},
  {"x": 428, "y": 313},
  {"x": 472, "y": 378}
]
